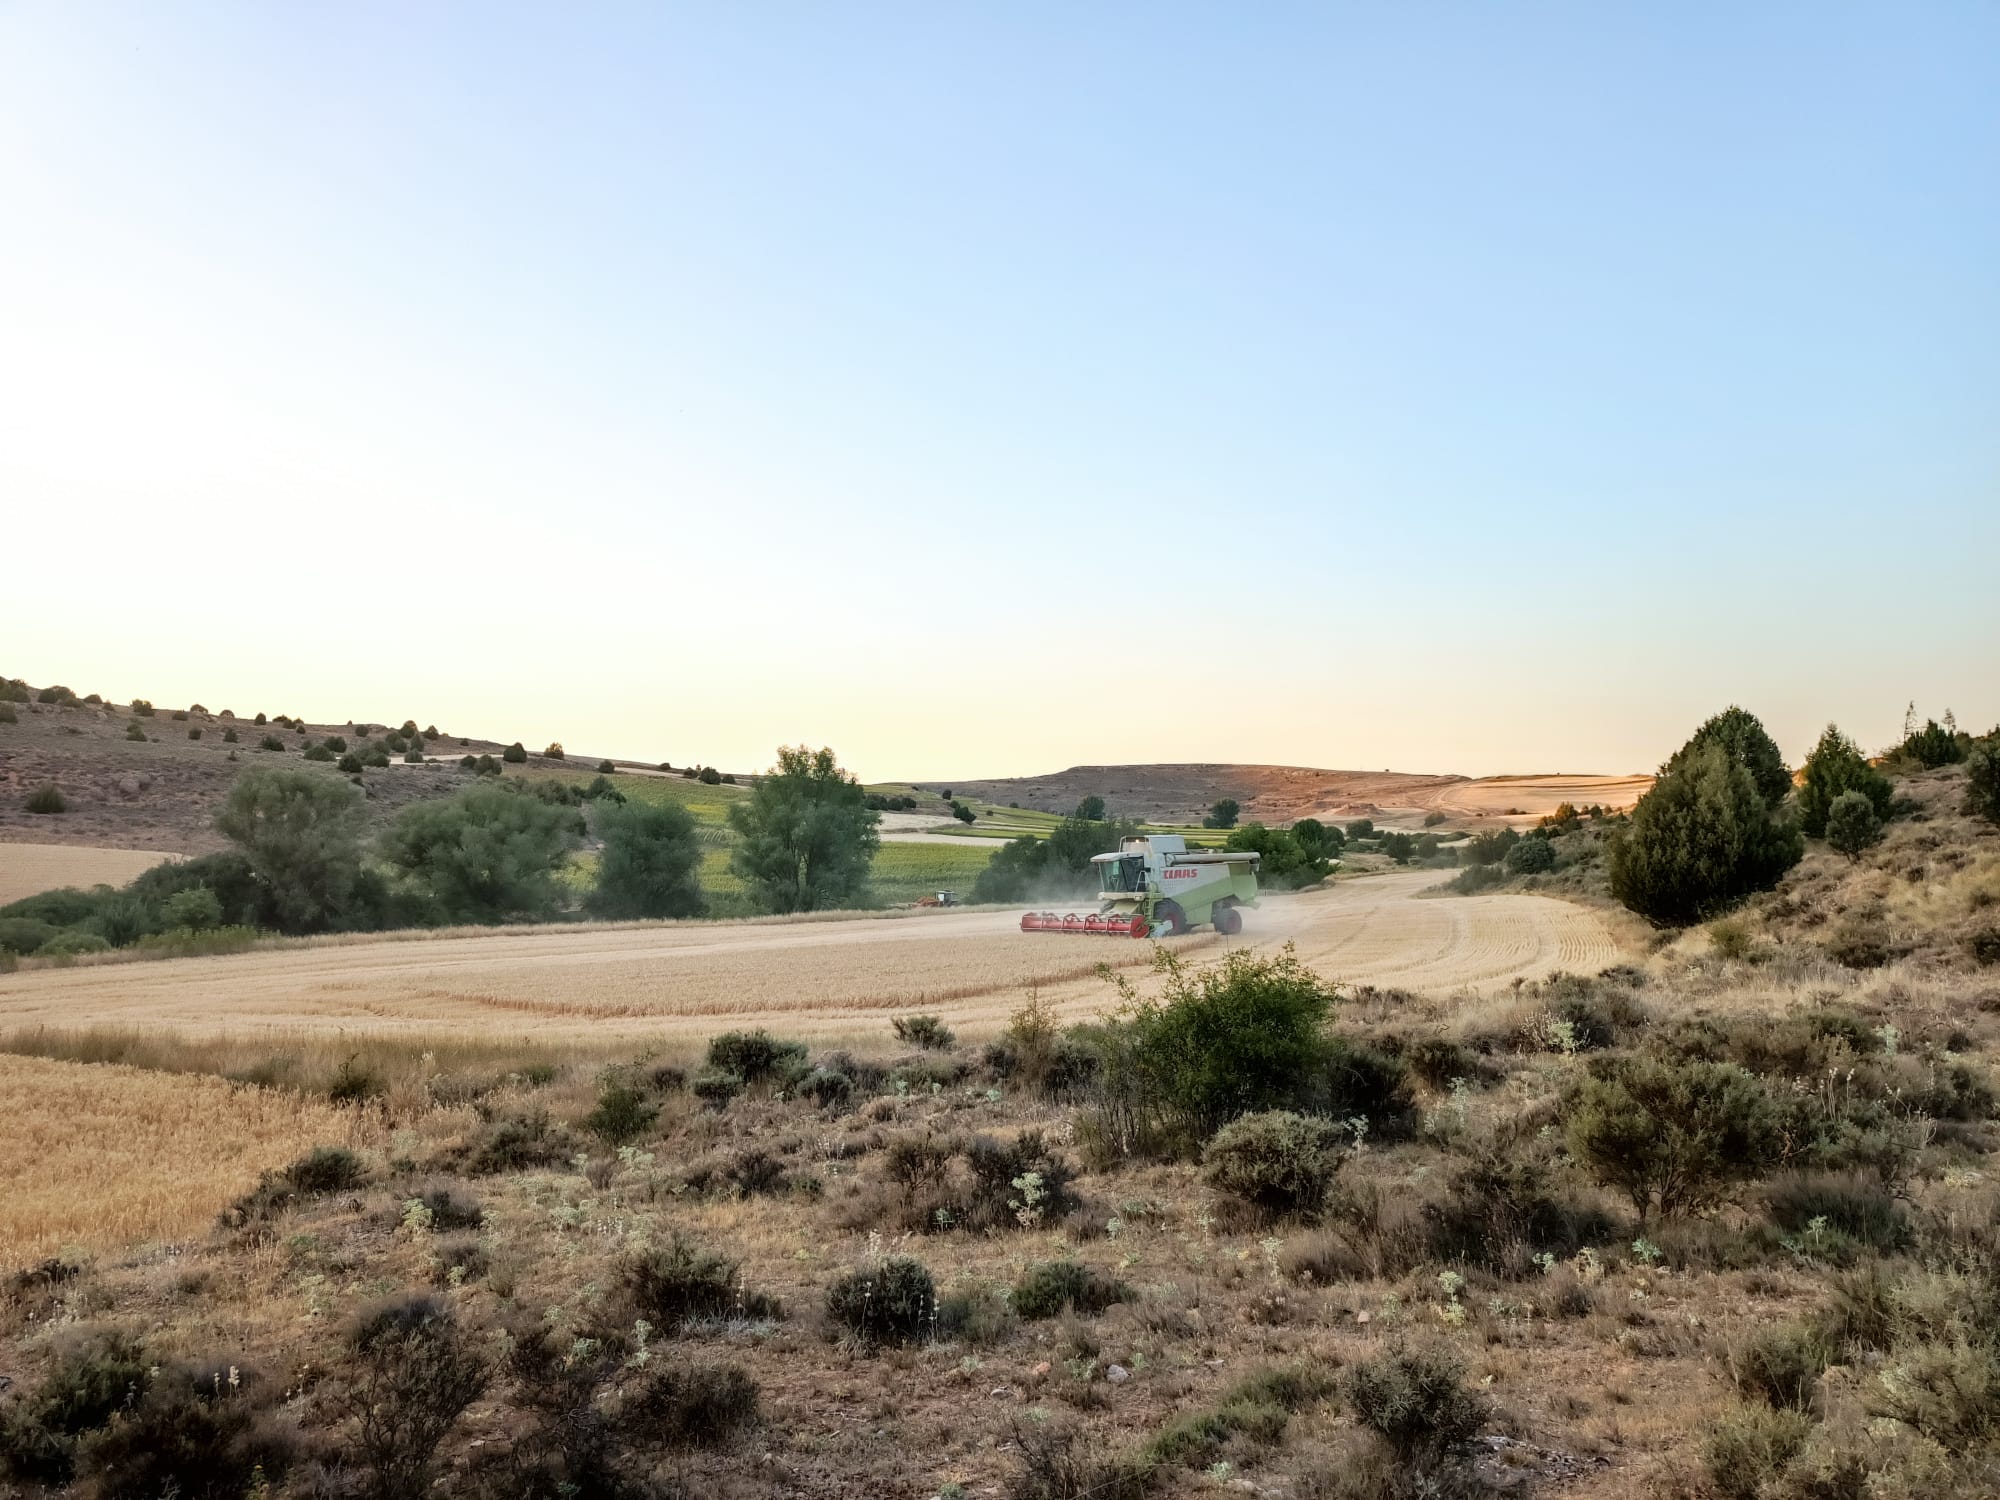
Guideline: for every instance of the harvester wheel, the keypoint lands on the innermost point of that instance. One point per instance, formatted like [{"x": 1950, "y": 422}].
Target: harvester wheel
[
  {"x": 1228, "y": 921},
  {"x": 1169, "y": 920}
]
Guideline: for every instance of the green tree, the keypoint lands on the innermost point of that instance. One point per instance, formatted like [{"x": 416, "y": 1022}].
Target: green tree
[
  {"x": 1091, "y": 809},
  {"x": 1700, "y": 841},
  {"x": 515, "y": 754},
  {"x": 1982, "y": 778},
  {"x": 649, "y": 864},
  {"x": 1222, "y": 814},
  {"x": 1361, "y": 828},
  {"x": 1934, "y": 745},
  {"x": 1851, "y": 824},
  {"x": 1019, "y": 868},
  {"x": 1317, "y": 840},
  {"x": 490, "y": 854},
  {"x": 1742, "y": 736},
  {"x": 1286, "y": 864},
  {"x": 1836, "y": 765},
  {"x": 301, "y": 833},
  {"x": 807, "y": 834},
  {"x": 1531, "y": 856}
]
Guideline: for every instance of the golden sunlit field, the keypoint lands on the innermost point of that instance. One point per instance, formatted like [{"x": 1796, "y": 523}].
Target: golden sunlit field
[
  {"x": 811, "y": 978},
  {"x": 28, "y": 868},
  {"x": 94, "y": 1157}
]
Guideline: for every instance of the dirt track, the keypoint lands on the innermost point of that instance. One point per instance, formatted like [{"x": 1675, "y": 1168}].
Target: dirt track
[{"x": 810, "y": 979}]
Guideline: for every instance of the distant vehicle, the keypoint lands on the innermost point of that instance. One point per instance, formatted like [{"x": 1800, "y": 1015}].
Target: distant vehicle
[{"x": 1156, "y": 886}]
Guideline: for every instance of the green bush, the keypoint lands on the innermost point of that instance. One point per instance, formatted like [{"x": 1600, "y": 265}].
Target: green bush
[
  {"x": 74, "y": 944},
  {"x": 350, "y": 763},
  {"x": 1837, "y": 766},
  {"x": 62, "y": 696},
  {"x": 1852, "y": 825},
  {"x": 229, "y": 736},
  {"x": 323, "y": 1170},
  {"x": 710, "y": 776},
  {"x": 142, "y": 708},
  {"x": 135, "y": 732},
  {"x": 194, "y": 731},
  {"x": 8, "y": 715},
  {"x": 1501, "y": 1210},
  {"x": 199, "y": 1432},
  {"x": 685, "y": 1283},
  {"x": 1780, "y": 1366},
  {"x": 46, "y": 799},
  {"x": 1532, "y": 856},
  {"x": 1281, "y": 1162},
  {"x": 1700, "y": 841},
  {"x": 606, "y": 768},
  {"x": 1982, "y": 778},
  {"x": 755, "y": 1056},
  {"x": 196, "y": 908},
  {"x": 415, "y": 1371},
  {"x": 1416, "y": 1401},
  {"x": 270, "y": 742},
  {"x": 623, "y": 1112},
  {"x": 1932, "y": 746},
  {"x": 927, "y": 1032},
  {"x": 24, "y": 935},
  {"x": 301, "y": 835},
  {"x": 91, "y": 1382},
  {"x": 826, "y": 1087},
  {"x": 515, "y": 754},
  {"x": 1056, "y": 1287},
  {"x": 319, "y": 753},
  {"x": 1751, "y": 1447},
  {"x": 1287, "y": 864},
  {"x": 715, "y": 1087},
  {"x": 1673, "y": 1136},
  {"x": 893, "y": 1302},
  {"x": 694, "y": 1406}
]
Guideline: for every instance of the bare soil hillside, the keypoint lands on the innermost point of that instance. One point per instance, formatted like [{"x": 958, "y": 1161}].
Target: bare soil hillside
[
  {"x": 161, "y": 793},
  {"x": 1281, "y": 794}
]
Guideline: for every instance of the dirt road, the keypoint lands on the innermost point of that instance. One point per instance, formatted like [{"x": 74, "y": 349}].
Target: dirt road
[{"x": 813, "y": 979}]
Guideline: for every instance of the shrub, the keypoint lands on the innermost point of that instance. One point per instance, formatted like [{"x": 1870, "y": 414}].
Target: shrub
[
  {"x": 1982, "y": 778},
  {"x": 1282, "y": 1162},
  {"x": 413, "y": 757},
  {"x": 74, "y": 944},
  {"x": 1056, "y": 1287},
  {"x": 517, "y": 1143},
  {"x": 1699, "y": 842},
  {"x": 46, "y": 799},
  {"x": 318, "y": 753},
  {"x": 450, "y": 1210},
  {"x": 135, "y": 732},
  {"x": 715, "y": 1087},
  {"x": 710, "y": 776},
  {"x": 57, "y": 694},
  {"x": 1673, "y": 1136},
  {"x": 1837, "y": 766},
  {"x": 1532, "y": 856},
  {"x": 1932, "y": 746},
  {"x": 685, "y": 1283},
  {"x": 1501, "y": 1210},
  {"x": 194, "y": 731},
  {"x": 25, "y": 935},
  {"x": 605, "y": 768},
  {"x": 415, "y": 1372},
  {"x": 1752, "y": 1446},
  {"x": 892, "y": 1302},
  {"x": 554, "y": 751},
  {"x": 515, "y": 754},
  {"x": 1780, "y": 1366},
  {"x": 1415, "y": 1400},
  {"x": 755, "y": 1056},
  {"x": 350, "y": 763},
  {"x": 323, "y": 1170},
  {"x": 8, "y": 715},
  {"x": 1851, "y": 824},
  {"x": 827, "y": 1088},
  {"x": 623, "y": 1112},
  {"x": 196, "y": 909},
  {"x": 90, "y": 1383},
  {"x": 197, "y": 1434},
  {"x": 230, "y": 736},
  {"x": 927, "y": 1032},
  {"x": 695, "y": 1406}
]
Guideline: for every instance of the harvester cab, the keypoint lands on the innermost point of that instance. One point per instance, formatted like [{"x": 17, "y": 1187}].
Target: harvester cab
[{"x": 1154, "y": 885}]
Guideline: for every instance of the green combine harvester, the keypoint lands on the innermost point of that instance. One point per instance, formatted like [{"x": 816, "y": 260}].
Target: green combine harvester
[{"x": 1155, "y": 886}]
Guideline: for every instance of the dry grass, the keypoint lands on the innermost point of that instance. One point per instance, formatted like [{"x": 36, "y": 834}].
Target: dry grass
[
  {"x": 96, "y": 1156},
  {"x": 28, "y": 869}
]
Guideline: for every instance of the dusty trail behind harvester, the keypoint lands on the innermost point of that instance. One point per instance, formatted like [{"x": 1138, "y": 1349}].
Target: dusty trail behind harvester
[{"x": 815, "y": 979}]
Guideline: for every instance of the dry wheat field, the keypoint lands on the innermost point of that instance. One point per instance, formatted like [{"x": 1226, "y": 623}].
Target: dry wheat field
[
  {"x": 816, "y": 979},
  {"x": 26, "y": 869}
]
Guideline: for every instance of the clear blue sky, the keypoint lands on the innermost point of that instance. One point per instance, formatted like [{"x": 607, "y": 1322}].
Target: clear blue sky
[{"x": 983, "y": 391}]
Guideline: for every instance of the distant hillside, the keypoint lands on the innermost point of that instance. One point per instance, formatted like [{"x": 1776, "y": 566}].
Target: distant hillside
[
  {"x": 161, "y": 793},
  {"x": 1280, "y": 794}
]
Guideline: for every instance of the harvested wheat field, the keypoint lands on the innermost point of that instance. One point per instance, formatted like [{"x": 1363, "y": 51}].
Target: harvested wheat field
[
  {"x": 815, "y": 978},
  {"x": 96, "y": 1156},
  {"x": 27, "y": 869}
]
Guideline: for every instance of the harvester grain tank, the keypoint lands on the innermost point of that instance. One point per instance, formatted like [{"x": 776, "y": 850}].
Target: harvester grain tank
[{"x": 1154, "y": 885}]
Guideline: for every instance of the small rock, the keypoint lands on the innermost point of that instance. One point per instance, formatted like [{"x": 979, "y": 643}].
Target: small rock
[
  {"x": 130, "y": 784},
  {"x": 1040, "y": 1370},
  {"x": 1362, "y": 1317},
  {"x": 1117, "y": 1374}
]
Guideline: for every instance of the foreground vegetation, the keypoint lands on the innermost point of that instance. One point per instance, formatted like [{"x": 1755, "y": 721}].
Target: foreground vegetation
[{"x": 1713, "y": 1224}]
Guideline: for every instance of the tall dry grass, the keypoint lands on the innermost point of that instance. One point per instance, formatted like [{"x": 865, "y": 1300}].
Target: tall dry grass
[{"x": 94, "y": 1156}]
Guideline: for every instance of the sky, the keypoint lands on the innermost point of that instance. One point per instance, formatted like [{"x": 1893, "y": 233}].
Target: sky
[{"x": 987, "y": 390}]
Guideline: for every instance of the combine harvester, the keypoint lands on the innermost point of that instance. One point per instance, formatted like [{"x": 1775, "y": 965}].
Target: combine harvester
[{"x": 1155, "y": 886}]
